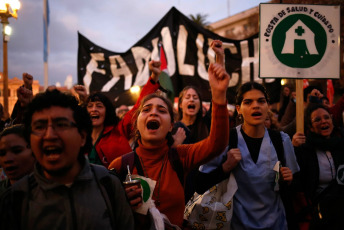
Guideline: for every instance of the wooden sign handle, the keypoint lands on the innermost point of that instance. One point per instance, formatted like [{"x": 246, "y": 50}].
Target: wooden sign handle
[{"x": 299, "y": 106}]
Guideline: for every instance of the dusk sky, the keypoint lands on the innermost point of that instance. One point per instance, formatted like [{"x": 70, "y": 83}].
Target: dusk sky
[{"x": 112, "y": 24}]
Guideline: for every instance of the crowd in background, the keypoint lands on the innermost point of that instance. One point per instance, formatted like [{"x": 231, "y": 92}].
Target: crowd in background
[{"x": 70, "y": 152}]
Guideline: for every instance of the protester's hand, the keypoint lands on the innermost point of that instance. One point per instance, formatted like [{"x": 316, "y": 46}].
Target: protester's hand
[
  {"x": 154, "y": 67},
  {"x": 28, "y": 80},
  {"x": 218, "y": 81},
  {"x": 24, "y": 96},
  {"x": 298, "y": 139},
  {"x": 81, "y": 92},
  {"x": 134, "y": 196},
  {"x": 316, "y": 93},
  {"x": 216, "y": 45},
  {"x": 233, "y": 158},
  {"x": 179, "y": 137},
  {"x": 286, "y": 174}
]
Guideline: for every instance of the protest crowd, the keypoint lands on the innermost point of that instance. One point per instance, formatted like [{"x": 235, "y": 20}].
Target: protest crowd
[{"x": 71, "y": 163}]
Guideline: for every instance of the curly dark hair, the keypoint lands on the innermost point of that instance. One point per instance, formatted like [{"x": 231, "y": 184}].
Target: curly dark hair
[
  {"x": 55, "y": 98},
  {"x": 308, "y": 113},
  {"x": 110, "y": 115}
]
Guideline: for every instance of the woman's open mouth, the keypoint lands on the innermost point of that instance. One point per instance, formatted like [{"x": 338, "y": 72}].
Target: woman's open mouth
[
  {"x": 191, "y": 106},
  {"x": 10, "y": 170},
  {"x": 325, "y": 127},
  {"x": 256, "y": 114},
  {"x": 153, "y": 125},
  {"x": 94, "y": 117}
]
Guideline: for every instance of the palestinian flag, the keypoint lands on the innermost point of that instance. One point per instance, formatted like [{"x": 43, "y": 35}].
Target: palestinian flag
[
  {"x": 330, "y": 91},
  {"x": 305, "y": 83},
  {"x": 164, "y": 78}
]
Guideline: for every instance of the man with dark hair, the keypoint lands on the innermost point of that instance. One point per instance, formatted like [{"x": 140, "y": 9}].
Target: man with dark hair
[{"x": 64, "y": 191}]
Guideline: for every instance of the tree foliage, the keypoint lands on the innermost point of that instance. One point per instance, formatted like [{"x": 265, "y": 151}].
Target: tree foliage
[{"x": 200, "y": 19}]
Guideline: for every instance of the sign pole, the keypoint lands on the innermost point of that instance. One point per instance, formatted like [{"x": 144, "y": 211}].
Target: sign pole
[{"x": 299, "y": 106}]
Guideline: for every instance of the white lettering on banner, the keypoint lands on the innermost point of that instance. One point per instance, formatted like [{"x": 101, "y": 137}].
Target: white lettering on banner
[
  {"x": 110, "y": 84},
  {"x": 117, "y": 72},
  {"x": 246, "y": 61},
  {"x": 234, "y": 79},
  {"x": 184, "y": 69},
  {"x": 169, "y": 52},
  {"x": 202, "y": 71},
  {"x": 231, "y": 46},
  {"x": 155, "y": 51},
  {"x": 140, "y": 54},
  {"x": 142, "y": 57},
  {"x": 92, "y": 67},
  {"x": 210, "y": 53},
  {"x": 256, "y": 62}
]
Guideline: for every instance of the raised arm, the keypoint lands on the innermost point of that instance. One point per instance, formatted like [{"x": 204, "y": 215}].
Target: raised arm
[
  {"x": 218, "y": 81},
  {"x": 80, "y": 93},
  {"x": 154, "y": 67},
  {"x": 28, "y": 80},
  {"x": 196, "y": 154},
  {"x": 216, "y": 45},
  {"x": 25, "y": 95}
]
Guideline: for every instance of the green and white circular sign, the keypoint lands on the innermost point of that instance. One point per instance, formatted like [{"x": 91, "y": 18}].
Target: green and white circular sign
[{"x": 299, "y": 41}]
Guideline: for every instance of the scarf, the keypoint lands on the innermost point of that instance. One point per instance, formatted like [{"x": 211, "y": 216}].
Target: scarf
[{"x": 322, "y": 143}]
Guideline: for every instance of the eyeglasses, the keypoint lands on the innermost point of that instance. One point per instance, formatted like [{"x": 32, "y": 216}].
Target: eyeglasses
[
  {"x": 59, "y": 125},
  {"x": 318, "y": 119}
]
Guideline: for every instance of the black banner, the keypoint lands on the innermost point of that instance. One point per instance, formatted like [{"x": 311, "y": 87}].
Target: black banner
[{"x": 188, "y": 55}]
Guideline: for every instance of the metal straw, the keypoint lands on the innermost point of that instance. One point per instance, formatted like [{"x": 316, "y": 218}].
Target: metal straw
[{"x": 129, "y": 174}]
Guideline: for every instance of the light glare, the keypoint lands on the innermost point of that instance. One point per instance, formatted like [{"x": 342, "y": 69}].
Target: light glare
[
  {"x": 135, "y": 89},
  {"x": 8, "y": 30}
]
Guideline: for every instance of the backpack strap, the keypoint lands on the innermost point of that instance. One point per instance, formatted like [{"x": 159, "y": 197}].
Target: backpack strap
[
  {"x": 286, "y": 192},
  {"x": 233, "y": 138},
  {"x": 277, "y": 142},
  {"x": 275, "y": 137},
  {"x": 132, "y": 160},
  {"x": 176, "y": 164},
  {"x": 138, "y": 165},
  {"x": 127, "y": 159}
]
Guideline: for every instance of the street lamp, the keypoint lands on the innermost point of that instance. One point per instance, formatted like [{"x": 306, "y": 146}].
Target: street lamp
[{"x": 8, "y": 8}]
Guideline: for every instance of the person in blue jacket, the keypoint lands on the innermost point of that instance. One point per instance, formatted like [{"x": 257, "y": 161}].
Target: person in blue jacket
[{"x": 255, "y": 165}]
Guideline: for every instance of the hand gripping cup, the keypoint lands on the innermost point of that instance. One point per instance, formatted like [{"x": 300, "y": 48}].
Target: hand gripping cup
[{"x": 131, "y": 182}]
